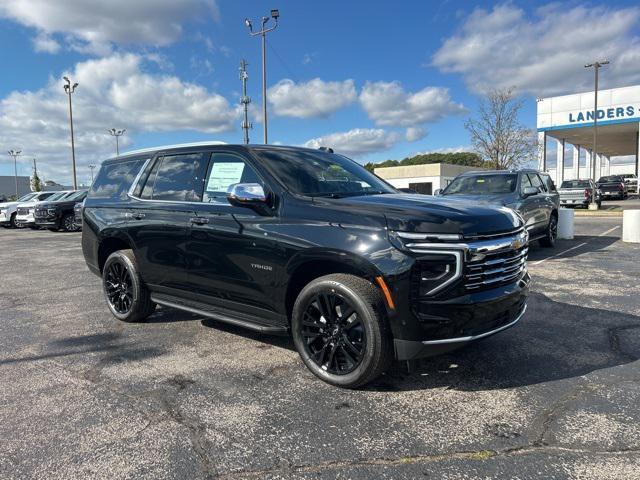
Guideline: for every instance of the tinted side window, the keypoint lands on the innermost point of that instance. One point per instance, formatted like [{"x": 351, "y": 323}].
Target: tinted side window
[
  {"x": 225, "y": 169},
  {"x": 536, "y": 182},
  {"x": 175, "y": 178},
  {"x": 549, "y": 183},
  {"x": 524, "y": 182},
  {"x": 115, "y": 179}
]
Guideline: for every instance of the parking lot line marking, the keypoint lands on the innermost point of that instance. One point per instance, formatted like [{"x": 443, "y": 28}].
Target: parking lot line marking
[
  {"x": 609, "y": 231},
  {"x": 574, "y": 247},
  {"x": 558, "y": 254}
]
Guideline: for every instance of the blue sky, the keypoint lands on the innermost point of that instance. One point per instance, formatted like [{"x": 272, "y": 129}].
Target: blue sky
[{"x": 373, "y": 79}]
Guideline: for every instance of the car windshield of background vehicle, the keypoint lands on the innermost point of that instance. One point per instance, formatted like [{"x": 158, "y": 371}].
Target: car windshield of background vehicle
[
  {"x": 610, "y": 179},
  {"x": 575, "y": 184},
  {"x": 27, "y": 197},
  {"x": 77, "y": 195},
  {"x": 57, "y": 196},
  {"x": 226, "y": 170},
  {"x": 482, "y": 185},
  {"x": 322, "y": 174}
]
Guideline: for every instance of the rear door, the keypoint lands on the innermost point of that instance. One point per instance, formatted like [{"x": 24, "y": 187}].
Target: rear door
[
  {"x": 159, "y": 219},
  {"x": 542, "y": 201},
  {"x": 529, "y": 204}
]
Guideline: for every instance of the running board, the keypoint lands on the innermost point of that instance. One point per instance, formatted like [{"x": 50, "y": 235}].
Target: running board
[{"x": 222, "y": 317}]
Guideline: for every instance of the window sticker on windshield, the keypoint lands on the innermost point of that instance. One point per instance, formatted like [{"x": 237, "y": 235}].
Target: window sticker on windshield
[{"x": 224, "y": 174}]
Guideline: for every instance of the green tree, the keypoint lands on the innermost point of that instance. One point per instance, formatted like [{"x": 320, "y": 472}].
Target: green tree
[
  {"x": 36, "y": 183},
  {"x": 469, "y": 159}
]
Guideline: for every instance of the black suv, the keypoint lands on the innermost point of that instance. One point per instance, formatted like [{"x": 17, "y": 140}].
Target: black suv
[
  {"x": 59, "y": 214},
  {"x": 530, "y": 193},
  {"x": 306, "y": 242}
]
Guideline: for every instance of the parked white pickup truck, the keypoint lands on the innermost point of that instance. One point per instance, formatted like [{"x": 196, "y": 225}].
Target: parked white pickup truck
[{"x": 578, "y": 193}]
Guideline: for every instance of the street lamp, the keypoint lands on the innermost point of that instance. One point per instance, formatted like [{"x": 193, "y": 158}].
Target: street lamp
[
  {"x": 275, "y": 14},
  {"x": 15, "y": 154},
  {"x": 596, "y": 67},
  {"x": 117, "y": 132},
  {"x": 69, "y": 89},
  {"x": 92, "y": 167}
]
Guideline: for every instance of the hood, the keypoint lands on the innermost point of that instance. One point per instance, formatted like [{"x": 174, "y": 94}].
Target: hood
[
  {"x": 8, "y": 204},
  {"x": 427, "y": 214},
  {"x": 500, "y": 199}
]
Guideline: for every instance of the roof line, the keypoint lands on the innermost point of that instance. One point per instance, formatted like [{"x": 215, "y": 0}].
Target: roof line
[{"x": 176, "y": 145}]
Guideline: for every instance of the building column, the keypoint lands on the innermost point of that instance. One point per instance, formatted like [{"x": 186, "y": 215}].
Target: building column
[
  {"x": 638, "y": 154},
  {"x": 576, "y": 161},
  {"x": 560, "y": 162},
  {"x": 607, "y": 165},
  {"x": 542, "y": 151}
]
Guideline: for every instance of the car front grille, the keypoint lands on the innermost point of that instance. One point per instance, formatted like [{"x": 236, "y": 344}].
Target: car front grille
[{"x": 496, "y": 269}]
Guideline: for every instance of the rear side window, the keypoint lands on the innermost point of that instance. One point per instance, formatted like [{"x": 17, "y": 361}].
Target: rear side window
[
  {"x": 536, "y": 182},
  {"x": 115, "y": 179},
  {"x": 176, "y": 178},
  {"x": 551, "y": 187}
]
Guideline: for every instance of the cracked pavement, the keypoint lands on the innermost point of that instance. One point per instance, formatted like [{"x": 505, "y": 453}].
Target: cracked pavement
[{"x": 84, "y": 396}]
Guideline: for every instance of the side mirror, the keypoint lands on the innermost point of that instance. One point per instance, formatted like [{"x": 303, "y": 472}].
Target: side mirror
[
  {"x": 529, "y": 191},
  {"x": 437, "y": 192},
  {"x": 246, "y": 194}
]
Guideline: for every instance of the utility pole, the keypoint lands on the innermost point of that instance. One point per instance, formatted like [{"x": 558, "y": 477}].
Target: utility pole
[
  {"x": 91, "y": 167},
  {"x": 245, "y": 100},
  {"x": 596, "y": 67},
  {"x": 69, "y": 89},
  {"x": 117, "y": 132},
  {"x": 275, "y": 14},
  {"x": 15, "y": 154}
]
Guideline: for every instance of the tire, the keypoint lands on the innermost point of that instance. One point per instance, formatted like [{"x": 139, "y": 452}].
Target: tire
[
  {"x": 549, "y": 240},
  {"x": 68, "y": 223},
  {"x": 127, "y": 296},
  {"x": 12, "y": 221},
  {"x": 599, "y": 203},
  {"x": 362, "y": 350}
]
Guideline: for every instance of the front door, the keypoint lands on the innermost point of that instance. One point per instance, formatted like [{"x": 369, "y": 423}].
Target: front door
[{"x": 230, "y": 251}]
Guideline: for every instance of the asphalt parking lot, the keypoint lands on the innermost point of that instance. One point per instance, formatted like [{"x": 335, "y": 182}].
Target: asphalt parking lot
[{"x": 184, "y": 397}]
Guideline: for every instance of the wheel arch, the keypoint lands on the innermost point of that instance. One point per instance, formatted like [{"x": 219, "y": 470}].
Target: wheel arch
[{"x": 111, "y": 244}]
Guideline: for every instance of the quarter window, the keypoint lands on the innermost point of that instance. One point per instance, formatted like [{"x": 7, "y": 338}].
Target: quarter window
[
  {"x": 175, "y": 178},
  {"x": 226, "y": 169}
]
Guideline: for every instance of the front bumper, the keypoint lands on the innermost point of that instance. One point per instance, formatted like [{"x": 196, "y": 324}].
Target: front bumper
[{"x": 25, "y": 219}]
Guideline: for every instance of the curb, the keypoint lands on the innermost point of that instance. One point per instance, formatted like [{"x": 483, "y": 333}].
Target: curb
[{"x": 598, "y": 213}]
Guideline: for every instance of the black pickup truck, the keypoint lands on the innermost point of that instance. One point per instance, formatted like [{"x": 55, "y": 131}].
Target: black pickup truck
[
  {"x": 307, "y": 243},
  {"x": 612, "y": 186}
]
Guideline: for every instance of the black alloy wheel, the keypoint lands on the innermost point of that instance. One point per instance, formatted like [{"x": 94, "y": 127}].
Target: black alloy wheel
[
  {"x": 68, "y": 223},
  {"x": 333, "y": 332},
  {"x": 549, "y": 240},
  {"x": 127, "y": 296},
  {"x": 118, "y": 287},
  {"x": 340, "y": 329}
]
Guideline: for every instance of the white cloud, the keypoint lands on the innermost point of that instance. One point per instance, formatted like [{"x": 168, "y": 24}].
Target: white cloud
[
  {"x": 388, "y": 104},
  {"x": 92, "y": 25},
  {"x": 357, "y": 142},
  {"x": 46, "y": 44},
  {"x": 113, "y": 92},
  {"x": 544, "y": 54},
  {"x": 313, "y": 99},
  {"x": 413, "y": 134}
]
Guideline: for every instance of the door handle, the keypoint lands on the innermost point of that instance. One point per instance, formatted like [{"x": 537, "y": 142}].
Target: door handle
[
  {"x": 199, "y": 220},
  {"x": 136, "y": 216}
]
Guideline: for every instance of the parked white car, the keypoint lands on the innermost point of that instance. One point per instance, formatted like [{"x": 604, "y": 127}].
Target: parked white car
[
  {"x": 8, "y": 209},
  {"x": 24, "y": 211}
]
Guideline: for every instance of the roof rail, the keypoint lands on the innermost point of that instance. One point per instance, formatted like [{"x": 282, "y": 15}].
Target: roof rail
[{"x": 177, "y": 145}]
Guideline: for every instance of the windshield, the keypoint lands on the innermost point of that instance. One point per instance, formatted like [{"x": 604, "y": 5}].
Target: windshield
[
  {"x": 575, "y": 184},
  {"x": 27, "y": 197},
  {"x": 79, "y": 195},
  {"x": 322, "y": 174},
  {"x": 56, "y": 196},
  {"x": 610, "y": 179},
  {"x": 482, "y": 184}
]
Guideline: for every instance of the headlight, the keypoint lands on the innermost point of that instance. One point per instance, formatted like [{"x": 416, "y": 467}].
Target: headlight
[
  {"x": 434, "y": 271},
  {"x": 52, "y": 211}
]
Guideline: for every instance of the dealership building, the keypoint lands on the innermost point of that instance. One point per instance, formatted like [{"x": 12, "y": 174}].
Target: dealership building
[
  {"x": 425, "y": 178},
  {"x": 565, "y": 134}
]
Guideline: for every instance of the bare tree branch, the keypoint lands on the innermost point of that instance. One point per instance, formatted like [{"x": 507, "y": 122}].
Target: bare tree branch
[{"x": 497, "y": 135}]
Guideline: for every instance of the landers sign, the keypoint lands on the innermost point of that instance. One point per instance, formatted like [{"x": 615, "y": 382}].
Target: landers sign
[{"x": 613, "y": 113}]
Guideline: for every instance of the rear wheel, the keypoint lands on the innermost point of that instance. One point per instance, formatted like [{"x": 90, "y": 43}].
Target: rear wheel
[
  {"x": 12, "y": 221},
  {"x": 127, "y": 297},
  {"x": 549, "y": 240},
  {"x": 341, "y": 331}
]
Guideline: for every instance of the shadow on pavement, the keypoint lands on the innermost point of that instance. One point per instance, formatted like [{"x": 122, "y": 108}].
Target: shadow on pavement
[{"x": 593, "y": 244}]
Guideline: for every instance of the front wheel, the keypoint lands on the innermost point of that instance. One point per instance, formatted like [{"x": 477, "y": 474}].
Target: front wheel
[
  {"x": 127, "y": 297},
  {"x": 69, "y": 222},
  {"x": 549, "y": 240},
  {"x": 341, "y": 331}
]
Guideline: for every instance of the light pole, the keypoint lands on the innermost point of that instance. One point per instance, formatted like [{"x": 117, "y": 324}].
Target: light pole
[
  {"x": 69, "y": 89},
  {"x": 15, "y": 154},
  {"x": 92, "y": 167},
  {"x": 263, "y": 33},
  {"x": 596, "y": 67},
  {"x": 117, "y": 132}
]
